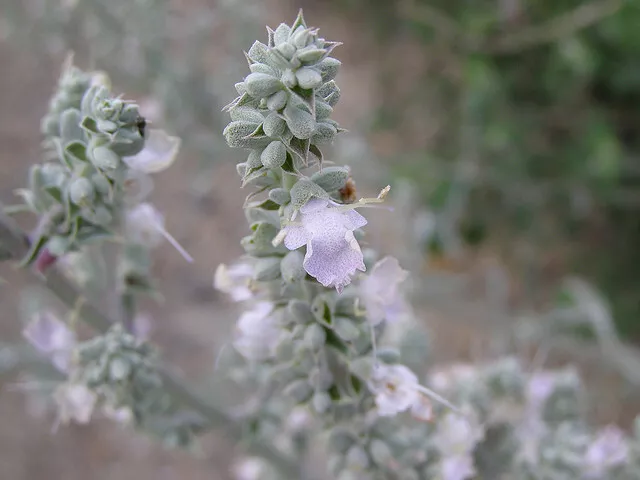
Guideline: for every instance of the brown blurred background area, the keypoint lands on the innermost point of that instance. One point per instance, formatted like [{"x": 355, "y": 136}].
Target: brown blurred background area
[{"x": 402, "y": 86}]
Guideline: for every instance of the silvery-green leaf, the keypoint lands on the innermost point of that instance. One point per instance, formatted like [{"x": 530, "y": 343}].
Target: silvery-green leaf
[
  {"x": 304, "y": 190},
  {"x": 280, "y": 196},
  {"x": 301, "y": 123},
  {"x": 281, "y": 34},
  {"x": 247, "y": 114},
  {"x": 331, "y": 179},
  {"x": 258, "y": 52},
  {"x": 329, "y": 68}
]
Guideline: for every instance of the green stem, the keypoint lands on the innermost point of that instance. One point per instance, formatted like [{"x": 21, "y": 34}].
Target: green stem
[{"x": 14, "y": 241}]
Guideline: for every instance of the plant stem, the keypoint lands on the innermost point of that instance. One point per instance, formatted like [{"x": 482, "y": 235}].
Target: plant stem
[{"x": 15, "y": 242}]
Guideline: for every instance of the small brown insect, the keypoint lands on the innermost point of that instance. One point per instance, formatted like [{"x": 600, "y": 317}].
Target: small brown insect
[{"x": 348, "y": 192}]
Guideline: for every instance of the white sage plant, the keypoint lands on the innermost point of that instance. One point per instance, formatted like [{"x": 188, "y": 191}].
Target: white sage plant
[{"x": 316, "y": 309}]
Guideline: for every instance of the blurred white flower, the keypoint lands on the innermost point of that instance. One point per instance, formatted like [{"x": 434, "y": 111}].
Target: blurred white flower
[
  {"x": 539, "y": 388},
  {"x": 422, "y": 408},
  {"x": 299, "y": 419},
  {"x": 608, "y": 450},
  {"x": 333, "y": 253},
  {"x": 122, "y": 415},
  {"x": 234, "y": 280},
  {"x": 457, "y": 467},
  {"x": 381, "y": 293},
  {"x": 257, "y": 332},
  {"x": 75, "y": 402},
  {"x": 395, "y": 389},
  {"x": 51, "y": 336},
  {"x": 159, "y": 152},
  {"x": 144, "y": 224},
  {"x": 250, "y": 468},
  {"x": 457, "y": 434}
]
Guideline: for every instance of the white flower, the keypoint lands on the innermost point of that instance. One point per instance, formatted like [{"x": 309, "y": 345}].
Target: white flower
[
  {"x": 381, "y": 293},
  {"x": 395, "y": 388},
  {"x": 159, "y": 152},
  {"x": 75, "y": 402},
  {"x": 333, "y": 254},
  {"x": 608, "y": 450},
  {"x": 457, "y": 434},
  {"x": 144, "y": 224},
  {"x": 457, "y": 467},
  {"x": 257, "y": 332},
  {"x": 234, "y": 280},
  {"x": 51, "y": 336},
  {"x": 299, "y": 420},
  {"x": 250, "y": 468},
  {"x": 122, "y": 415}
]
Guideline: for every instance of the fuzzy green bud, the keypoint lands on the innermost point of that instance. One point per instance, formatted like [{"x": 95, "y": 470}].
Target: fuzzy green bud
[
  {"x": 380, "y": 453},
  {"x": 274, "y": 155},
  {"x": 280, "y": 196},
  {"x": 274, "y": 125},
  {"x": 277, "y": 101},
  {"x": 298, "y": 390},
  {"x": 292, "y": 267},
  {"x": 266, "y": 269},
  {"x": 299, "y": 312},
  {"x": 308, "y": 78},
  {"x": 81, "y": 191},
  {"x": 260, "y": 85},
  {"x": 331, "y": 179},
  {"x": 315, "y": 337}
]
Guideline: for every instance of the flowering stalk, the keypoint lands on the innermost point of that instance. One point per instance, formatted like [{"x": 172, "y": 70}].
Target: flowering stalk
[{"x": 309, "y": 334}]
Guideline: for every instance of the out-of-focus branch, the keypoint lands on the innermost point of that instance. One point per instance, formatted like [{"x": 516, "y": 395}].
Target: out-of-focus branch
[
  {"x": 557, "y": 28},
  {"x": 14, "y": 241}
]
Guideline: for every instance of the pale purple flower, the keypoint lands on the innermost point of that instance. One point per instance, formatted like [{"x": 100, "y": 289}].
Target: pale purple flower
[
  {"x": 422, "y": 408},
  {"x": 395, "y": 388},
  {"x": 144, "y": 224},
  {"x": 75, "y": 402},
  {"x": 381, "y": 293},
  {"x": 159, "y": 152},
  {"x": 608, "y": 450},
  {"x": 51, "y": 336},
  {"x": 234, "y": 280},
  {"x": 333, "y": 253},
  {"x": 539, "y": 388},
  {"x": 257, "y": 332},
  {"x": 457, "y": 467}
]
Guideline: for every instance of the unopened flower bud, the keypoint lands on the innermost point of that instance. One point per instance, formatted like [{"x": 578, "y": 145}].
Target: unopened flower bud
[
  {"x": 289, "y": 78},
  {"x": 357, "y": 458},
  {"x": 298, "y": 390},
  {"x": 299, "y": 311},
  {"x": 315, "y": 336},
  {"x": 81, "y": 191},
  {"x": 266, "y": 269},
  {"x": 331, "y": 179},
  {"x": 380, "y": 453},
  {"x": 260, "y": 85},
  {"x": 274, "y": 125},
  {"x": 292, "y": 267},
  {"x": 280, "y": 196},
  {"x": 104, "y": 158},
  {"x": 346, "y": 329},
  {"x": 277, "y": 101},
  {"x": 308, "y": 78},
  {"x": 321, "y": 402},
  {"x": 274, "y": 155}
]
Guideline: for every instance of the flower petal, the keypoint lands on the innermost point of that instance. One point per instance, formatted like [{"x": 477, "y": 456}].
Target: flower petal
[
  {"x": 296, "y": 237},
  {"x": 159, "y": 152}
]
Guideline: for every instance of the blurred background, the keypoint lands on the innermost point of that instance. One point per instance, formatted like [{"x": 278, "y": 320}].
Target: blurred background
[{"x": 508, "y": 129}]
